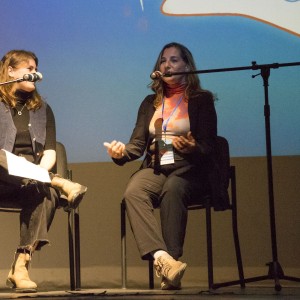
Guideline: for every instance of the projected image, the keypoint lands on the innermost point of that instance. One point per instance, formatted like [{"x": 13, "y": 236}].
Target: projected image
[
  {"x": 96, "y": 58},
  {"x": 283, "y": 14}
]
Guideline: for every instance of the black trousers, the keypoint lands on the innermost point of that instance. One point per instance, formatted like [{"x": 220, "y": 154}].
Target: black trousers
[
  {"x": 38, "y": 205},
  {"x": 172, "y": 189}
]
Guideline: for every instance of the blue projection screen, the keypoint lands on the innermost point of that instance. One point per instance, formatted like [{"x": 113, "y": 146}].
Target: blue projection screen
[{"x": 96, "y": 57}]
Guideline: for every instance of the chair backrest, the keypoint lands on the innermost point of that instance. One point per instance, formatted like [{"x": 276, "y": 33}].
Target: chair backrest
[
  {"x": 219, "y": 175},
  {"x": 61, "y": 166},
  {"x": 223, "y": 157}
]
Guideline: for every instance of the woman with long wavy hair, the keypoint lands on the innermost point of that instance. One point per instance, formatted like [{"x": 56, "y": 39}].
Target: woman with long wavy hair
[{"x": 27, "y": 130}]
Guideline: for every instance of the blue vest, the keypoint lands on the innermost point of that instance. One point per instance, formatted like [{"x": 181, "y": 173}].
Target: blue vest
[{"x": 36, "y": 126}]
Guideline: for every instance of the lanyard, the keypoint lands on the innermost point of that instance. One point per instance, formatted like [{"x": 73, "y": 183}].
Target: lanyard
[{"x": 164, "y": 125}]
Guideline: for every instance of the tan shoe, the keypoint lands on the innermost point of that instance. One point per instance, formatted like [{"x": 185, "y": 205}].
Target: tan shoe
[
  {"x": 171, "y": 269},
  {"x": 18, "y": 276},
  {"x": 74, "y": 191}
]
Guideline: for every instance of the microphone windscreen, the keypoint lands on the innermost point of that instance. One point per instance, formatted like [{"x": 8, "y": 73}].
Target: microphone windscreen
[{"x": 156, "y": 75}]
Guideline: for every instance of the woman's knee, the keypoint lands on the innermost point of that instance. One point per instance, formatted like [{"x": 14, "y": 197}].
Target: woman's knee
[
  {"x": 134, "y": 194},
  {"x": 144, "y": 186},
  {"x": 177, "y": 186}
]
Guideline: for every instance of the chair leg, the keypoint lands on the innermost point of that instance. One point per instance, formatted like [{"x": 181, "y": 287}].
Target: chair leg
[
  {"x": 71, "y": 250},
  {"x": 123, "y": 245},
  {"x": 77, "y": 249},
  {"x": 74, "y": 250},
  {"x": 209, "y": 246},
  {"x": 241, "y": 280},
  {"x": 235, "y": 230},
  {"x": 151, "y": 274},
  {"x": 74, "y": 245}
]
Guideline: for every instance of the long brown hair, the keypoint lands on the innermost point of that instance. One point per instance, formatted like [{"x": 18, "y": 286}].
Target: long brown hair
[
  {"x": 193, "y": 82},
  {"x": 13, "y": 59}
]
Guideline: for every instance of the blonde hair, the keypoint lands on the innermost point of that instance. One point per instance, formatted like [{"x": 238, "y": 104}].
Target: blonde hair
[{"x": 13, "y": 59}]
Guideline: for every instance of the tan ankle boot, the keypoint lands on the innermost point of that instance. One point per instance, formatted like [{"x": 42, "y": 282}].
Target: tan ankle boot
[
  {"x": 74, "y": 191},
  {"x": 18, "y": 275}
]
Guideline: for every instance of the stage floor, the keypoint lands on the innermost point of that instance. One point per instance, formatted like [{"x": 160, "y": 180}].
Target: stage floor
[{"x": 258, "y": 293}]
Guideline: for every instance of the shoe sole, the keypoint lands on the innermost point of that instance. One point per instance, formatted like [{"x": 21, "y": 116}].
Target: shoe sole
[
  {"x": 77, "y": 198},
  {"x": 168, "y": 287},
  {"x": 19, "y": 290},
  {"x": 10, "y": 283}
]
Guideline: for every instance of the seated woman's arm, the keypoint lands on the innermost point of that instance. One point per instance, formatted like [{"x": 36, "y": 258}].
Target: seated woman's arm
[{"x": 48, "y": 159}]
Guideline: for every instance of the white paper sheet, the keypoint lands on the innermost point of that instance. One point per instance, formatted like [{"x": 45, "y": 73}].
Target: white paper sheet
[{"x": 19, "y": 166}]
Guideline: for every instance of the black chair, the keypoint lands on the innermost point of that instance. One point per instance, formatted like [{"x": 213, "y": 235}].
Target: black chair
[
  {"x": 73, "y": 220},
  {"x": 228, "y": 174}
]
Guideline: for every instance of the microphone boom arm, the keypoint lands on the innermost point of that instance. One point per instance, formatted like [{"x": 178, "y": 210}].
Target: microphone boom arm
[
  {"x": 253, "y": 67},
  {"x": 32, "y": 77},
  {"x": 12, "y": 81}
]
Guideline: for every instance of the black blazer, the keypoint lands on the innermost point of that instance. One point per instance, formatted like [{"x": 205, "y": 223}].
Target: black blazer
[{"x": 203, "y": 125}]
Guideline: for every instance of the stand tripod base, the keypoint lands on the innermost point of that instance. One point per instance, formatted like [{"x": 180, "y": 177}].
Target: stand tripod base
[{"x": 276, "y": 273}]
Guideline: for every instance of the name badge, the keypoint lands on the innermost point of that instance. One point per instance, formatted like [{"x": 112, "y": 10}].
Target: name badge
[{"x": 166, "y": 152}]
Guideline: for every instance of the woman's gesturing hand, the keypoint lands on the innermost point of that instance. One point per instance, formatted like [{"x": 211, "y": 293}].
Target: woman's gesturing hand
[
  {"x": 115, "y": 149},
  {"x": 185, "y": 144}
]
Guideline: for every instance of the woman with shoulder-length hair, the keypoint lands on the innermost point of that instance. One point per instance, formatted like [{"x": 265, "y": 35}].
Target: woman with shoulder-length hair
[
  {"x": 27, "y": 129},
  {"x": 176, "y": 129}
]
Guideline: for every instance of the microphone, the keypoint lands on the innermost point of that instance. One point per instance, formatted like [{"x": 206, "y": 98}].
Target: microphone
[
  {"x": 156, "y": 75},
  {"x": 33, "y": 77}
]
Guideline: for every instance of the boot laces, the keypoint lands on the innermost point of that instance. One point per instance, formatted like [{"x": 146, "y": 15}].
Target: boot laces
[{"x": 162, "y": 267}]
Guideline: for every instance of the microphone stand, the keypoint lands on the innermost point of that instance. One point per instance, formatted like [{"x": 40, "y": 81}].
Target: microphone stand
[
  {"x": 12, "y": 81},
  {"x": 275, "y": 270}
]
